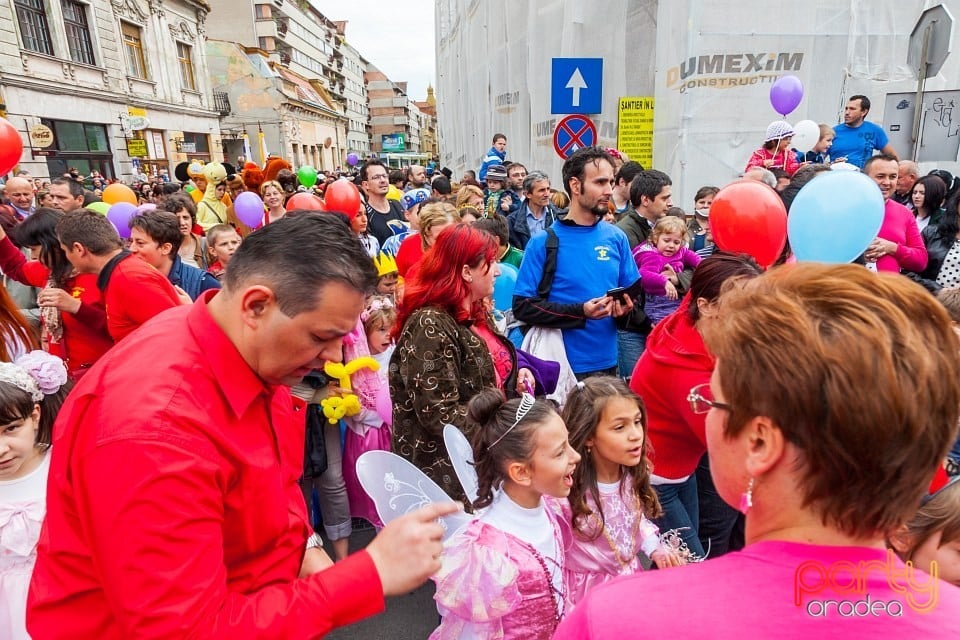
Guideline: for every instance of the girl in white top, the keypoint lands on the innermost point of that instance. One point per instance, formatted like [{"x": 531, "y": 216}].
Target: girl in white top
[{"x": 32, "y": 390}]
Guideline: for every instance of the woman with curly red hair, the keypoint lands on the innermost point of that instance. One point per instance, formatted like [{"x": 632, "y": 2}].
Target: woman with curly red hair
[{"x": 448, "y": 349}]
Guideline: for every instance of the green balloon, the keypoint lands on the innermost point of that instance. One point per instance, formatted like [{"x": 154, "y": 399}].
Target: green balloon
[
  {"x": 307, "y": 176},
  {"x": 99, "y": 207}
]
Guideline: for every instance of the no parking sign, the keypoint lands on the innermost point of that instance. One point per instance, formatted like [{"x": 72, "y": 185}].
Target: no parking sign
[{"x": 572, "y": 133}]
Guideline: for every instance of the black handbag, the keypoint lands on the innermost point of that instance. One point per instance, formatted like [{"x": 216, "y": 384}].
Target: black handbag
[{"x": 315, "y": 445}]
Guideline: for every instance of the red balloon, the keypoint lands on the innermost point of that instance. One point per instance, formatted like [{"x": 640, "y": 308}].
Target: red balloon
[
  {"x": 11, "y": 146},
  {"x": 304, "y": 200},
  {"x": 749, "y": 217},
  {"x": 342, "y": 196}
]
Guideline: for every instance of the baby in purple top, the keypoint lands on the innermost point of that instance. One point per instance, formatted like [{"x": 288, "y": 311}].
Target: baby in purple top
[{"x": 660, "y": 259}]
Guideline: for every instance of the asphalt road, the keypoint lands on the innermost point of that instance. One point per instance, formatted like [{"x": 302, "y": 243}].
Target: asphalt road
[{"x": 409, "y": 617}]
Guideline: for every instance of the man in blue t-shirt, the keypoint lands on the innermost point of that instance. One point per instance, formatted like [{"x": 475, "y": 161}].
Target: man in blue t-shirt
[
  {"x": 592, "y": 258},
  {"x": 856, "y": 139}
]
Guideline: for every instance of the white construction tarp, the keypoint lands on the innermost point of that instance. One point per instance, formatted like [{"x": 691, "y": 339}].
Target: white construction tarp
[{"x": 709, "y": 64}]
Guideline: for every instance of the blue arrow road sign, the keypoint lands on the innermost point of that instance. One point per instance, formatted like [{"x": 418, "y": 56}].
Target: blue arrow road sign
[{"x": 576, "y": 85}]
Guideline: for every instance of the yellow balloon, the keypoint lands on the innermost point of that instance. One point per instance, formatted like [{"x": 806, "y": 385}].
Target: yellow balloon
[
  {"x": 197, "y": 195},
  {"x": 118, "y": 192}
]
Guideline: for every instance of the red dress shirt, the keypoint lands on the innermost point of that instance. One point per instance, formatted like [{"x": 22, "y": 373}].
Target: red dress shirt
[
  {"x": 85, "y": 336},
  {"x": 135, "y": 293},
  {"x": 173, "y": 507}
]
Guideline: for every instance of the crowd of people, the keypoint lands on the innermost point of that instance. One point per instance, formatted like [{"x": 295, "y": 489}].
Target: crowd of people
[{"x": 652, "y": 419}]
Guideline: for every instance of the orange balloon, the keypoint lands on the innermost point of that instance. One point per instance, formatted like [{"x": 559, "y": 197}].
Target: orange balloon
[{"x": 117, "y": 192}]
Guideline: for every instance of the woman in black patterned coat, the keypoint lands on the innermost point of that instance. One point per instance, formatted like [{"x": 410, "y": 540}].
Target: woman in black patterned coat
[{"x": 448, "y": 350}]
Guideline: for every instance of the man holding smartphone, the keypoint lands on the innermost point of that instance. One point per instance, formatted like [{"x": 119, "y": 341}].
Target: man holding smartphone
[{"x": 591, "y": 260}]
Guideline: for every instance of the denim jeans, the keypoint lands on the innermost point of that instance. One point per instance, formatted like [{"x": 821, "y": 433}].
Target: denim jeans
[
  {"x": 720, "y": 526},
  {"x": 681, "y": 511},
  {"x": 630, "y": 346}
]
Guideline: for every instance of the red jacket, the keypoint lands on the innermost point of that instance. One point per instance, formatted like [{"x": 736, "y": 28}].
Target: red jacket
[
  {"x": 173, "y": 503},
  {"x": 675, "y": 360},
  {"x": 85, "y": 336}
]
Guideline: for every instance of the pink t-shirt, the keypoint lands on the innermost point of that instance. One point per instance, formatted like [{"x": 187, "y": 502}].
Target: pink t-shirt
[
  {"x": 754, "y": 593},
  {"x": 899, "y": 226}
]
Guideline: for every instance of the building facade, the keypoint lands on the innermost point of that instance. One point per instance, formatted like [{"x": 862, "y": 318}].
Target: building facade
[
  {"x": 114, "y": 86},
  {"x": 390, "y": 128},
  {"x": 429, "y": 143},
  {"x": 297, "y": 118},
  {"x": 301, "y": 45},
  {"x": 356, "y": 107}
]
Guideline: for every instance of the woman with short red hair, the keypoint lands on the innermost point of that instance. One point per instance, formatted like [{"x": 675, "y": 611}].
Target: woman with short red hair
[{"x": 448, "y": 349}]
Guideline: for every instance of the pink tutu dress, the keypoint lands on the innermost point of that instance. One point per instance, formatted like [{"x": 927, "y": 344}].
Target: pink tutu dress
[
  {"x": 22, "y": 507},
  {"x": 495, "y": 585},
  {"x": 369, "y": 430},
  {"x": 614, "y": 552}
]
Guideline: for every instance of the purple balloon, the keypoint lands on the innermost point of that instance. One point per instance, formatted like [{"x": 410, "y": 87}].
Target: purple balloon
[
  {"x": 786, "y": 94},
  {"x": 352, "y": 159},
  {"x": 120, "y": 214},
  {"x": 249, "y": 209}
]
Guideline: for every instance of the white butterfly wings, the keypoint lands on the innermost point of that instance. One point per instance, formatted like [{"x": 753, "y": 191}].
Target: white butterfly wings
[
  {"x": 397, "y": 488},
  {"x": 461, "y": 455}
]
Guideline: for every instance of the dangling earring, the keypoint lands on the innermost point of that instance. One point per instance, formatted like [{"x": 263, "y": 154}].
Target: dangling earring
[{"x": 746, "y": 499}]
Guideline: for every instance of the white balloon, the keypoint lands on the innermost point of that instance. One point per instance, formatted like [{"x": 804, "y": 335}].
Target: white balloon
[
  {"x": 397, "y": 488},
  {"x": 806, "y": 135},
  {"x": 844, "y": 166},
  {"x": 461, "y": 455}
]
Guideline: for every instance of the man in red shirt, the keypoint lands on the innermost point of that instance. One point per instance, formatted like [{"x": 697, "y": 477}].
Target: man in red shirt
[
  {"x": 173, "y": 506},
  {"x": 133, "y": 291}
]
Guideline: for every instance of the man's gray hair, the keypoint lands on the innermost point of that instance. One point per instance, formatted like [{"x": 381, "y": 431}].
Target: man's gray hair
[{"x": 533, "y": 177}]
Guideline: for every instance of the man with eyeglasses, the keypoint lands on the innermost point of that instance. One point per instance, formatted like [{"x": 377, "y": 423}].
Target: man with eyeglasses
[{"x": 374, "y": 180}]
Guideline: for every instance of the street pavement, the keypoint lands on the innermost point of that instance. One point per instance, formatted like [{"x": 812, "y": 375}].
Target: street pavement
[{"x": 408, "y": 617}]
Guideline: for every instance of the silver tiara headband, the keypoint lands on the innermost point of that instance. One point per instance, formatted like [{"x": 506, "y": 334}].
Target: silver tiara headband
[
  {"x": 37, "y": 373},
  {"x": 526, "y": 403}
]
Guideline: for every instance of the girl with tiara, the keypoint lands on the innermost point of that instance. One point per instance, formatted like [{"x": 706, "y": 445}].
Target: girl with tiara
[
  {"x": 611, "y": 499},
  {"x": 371, "y": 429},
  {"x": 502, "y": 576},
  {"x": 32, "y": 390}
]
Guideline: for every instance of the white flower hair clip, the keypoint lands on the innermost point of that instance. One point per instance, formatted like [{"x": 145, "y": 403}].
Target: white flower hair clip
[{"x": 37, "y": 373}]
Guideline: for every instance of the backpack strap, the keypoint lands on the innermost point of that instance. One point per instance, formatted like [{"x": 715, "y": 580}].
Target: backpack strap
[{"x": 549, "y": 264}]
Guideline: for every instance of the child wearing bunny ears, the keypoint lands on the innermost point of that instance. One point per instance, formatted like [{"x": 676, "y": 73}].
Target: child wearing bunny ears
[{"x": 32, "y": 390}]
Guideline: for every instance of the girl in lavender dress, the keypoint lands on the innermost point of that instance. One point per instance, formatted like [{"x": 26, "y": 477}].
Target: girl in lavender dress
[
  {"x": 503, "y": 575},
  {"x": 611, "y": 498},
  {"x": 31, "y": 392}
]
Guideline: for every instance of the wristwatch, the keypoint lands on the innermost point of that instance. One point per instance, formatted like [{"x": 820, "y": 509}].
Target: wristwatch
[{"x": 314, "y": 541}]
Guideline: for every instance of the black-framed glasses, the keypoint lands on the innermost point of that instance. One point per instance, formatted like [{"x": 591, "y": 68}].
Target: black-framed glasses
[{"x": 701, "y": 400}]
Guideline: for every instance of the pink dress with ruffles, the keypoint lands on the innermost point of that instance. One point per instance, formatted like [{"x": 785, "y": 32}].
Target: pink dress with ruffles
[
  {"x": 592, "y": 562},
  {"x": 492, "y": 585}
]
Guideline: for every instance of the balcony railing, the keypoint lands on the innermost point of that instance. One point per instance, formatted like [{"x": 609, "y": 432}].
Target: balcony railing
[{"x": 221, "y": 101}]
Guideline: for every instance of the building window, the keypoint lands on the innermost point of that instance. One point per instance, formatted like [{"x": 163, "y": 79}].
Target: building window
[
  {"x": 266, "y": 43},
  {"x": 136, "y": 64},
  {"x": 196, "y": 145},
  {"x": 78, "y": 32},
  {"x": 34, "y": 29},
  {"x": 187, "y": 80},
  {"x": 262, "y": 11}
]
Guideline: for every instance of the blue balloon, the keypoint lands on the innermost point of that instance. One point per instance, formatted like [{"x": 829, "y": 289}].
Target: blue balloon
[
  {"x": 503, "y": 287},
  {"x": 835, "y": 217}
]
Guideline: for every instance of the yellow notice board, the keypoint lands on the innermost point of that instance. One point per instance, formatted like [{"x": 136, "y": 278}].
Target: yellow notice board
[
  {"x": 137, "y": 148},
  {"x": 635, "y": 129}
]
